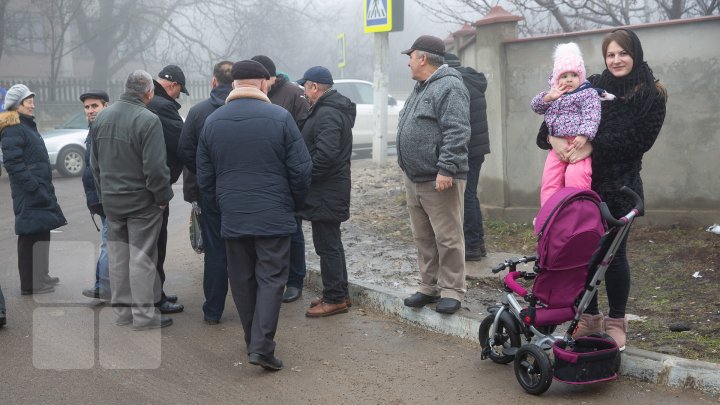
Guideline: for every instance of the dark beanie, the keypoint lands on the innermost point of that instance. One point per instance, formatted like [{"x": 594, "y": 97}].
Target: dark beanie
[
  {"x": 452, "y": 60},
  {"x": 267, "y": 62},
  {"x": 249, "y": 69}
]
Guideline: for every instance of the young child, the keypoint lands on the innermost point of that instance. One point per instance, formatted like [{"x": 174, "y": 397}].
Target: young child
[{"x": 572, "y": 111}]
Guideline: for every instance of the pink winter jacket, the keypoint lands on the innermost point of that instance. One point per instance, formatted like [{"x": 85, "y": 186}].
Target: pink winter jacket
[{"x": 572, "y": 114}]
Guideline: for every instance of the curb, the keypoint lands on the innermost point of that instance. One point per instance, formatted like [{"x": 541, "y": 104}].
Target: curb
[{"x": 657, "y": 368}]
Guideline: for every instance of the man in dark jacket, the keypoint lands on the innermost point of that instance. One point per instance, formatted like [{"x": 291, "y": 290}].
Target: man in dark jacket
[
  {"x": 133, "y": 181},
  {"x": 290, "y": 97},
  {"x": 252, "y": 163},
  {"x": 432, "y": 139},
  {"x": 168, "y": 86},
  {"x": 215, "y": 277},
  {"x": 95, "y": 101},
  {"x": 328, "y": 136},
  {"x": 478, "y": 147}
]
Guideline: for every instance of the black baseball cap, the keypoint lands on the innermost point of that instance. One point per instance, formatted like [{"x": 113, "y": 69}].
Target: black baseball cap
[
  {"x": 249, "y": 69},
  {"x": 427, "y": 43},
  {"x": 174, "y": 74},
  {"x": 317, "y": 74}
]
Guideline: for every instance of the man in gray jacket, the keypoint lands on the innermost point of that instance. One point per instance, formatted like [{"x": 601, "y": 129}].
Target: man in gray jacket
[
  {"x": 432, "y": 138},
  {"x": 133, "y": 182}
]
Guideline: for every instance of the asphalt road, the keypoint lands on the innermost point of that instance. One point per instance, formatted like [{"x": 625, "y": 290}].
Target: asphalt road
[{"x": 61, "y": 348}]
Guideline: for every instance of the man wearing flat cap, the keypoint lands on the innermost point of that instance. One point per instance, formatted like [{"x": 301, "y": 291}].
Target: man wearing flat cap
[
  {"x": 432, "y": 139},
  {"x": 95, "y": 101},
  {"x": 328, "y": 135},
  {"x": 252, "y": 162},
  {"x": 168, "y": 86}
]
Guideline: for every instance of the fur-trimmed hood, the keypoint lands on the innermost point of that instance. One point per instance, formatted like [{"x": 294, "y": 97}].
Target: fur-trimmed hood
[
  {"x": 8, "y": 119},
  {"x": 247, "y": 92}
]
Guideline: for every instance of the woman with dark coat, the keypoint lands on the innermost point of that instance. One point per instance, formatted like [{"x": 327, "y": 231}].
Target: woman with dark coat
[
  {"x": 36, "y": 208},
  {"x": 628, "y": 128}
]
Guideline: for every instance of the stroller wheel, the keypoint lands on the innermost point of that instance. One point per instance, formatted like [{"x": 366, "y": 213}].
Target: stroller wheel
[
  {"x": 503, "y": 338},
  {"x": 533, "y": 369}
]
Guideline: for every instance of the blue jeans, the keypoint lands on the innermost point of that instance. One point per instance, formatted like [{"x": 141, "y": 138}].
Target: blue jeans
[
  {"x": 473, "y": 222},
  {"x": 102, "y": 268},
  {"x": 215, "y": 275},
  {"x": 297, "y": 257}
]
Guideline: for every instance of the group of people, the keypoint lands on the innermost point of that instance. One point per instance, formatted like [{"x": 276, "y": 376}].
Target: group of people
[{"x": 262, "y": 154}]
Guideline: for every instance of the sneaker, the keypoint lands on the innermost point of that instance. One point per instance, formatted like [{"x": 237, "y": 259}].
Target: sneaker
[
  {"x": 43, "y": 289},
  {"x": 474, "y": 254},
  {"x": 164, "y": 321},
  {"x": 96, "y": 293},
  {"x": 270, "y": 363}
]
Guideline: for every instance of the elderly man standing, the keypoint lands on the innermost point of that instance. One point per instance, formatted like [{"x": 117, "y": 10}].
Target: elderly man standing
[
  {"x": 328, "y": 136},
  {"x": 215, "y": 277},
  {"x": 133, "y": 181},
  {"x": 289, "y": 96},
  {"x": 168, "y": 86},
  {"x": 253, "y": 163},
  {"x": 432, "y": 138}
]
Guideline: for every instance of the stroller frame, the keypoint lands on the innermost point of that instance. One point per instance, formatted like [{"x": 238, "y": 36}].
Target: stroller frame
[{"x": 501, "y": 333}]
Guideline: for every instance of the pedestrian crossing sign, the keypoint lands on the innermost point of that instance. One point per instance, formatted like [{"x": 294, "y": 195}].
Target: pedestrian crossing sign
[{"x": 379, "y": 15}]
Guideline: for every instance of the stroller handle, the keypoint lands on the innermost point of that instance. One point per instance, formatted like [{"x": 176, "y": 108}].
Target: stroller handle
[{"x": 637, "y": 210}]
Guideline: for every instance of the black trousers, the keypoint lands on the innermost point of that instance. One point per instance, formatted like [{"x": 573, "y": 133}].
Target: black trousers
[
  {"x": 33, "y": 259},
  {"x": 617, "y": 284},
  {"x": 258, "y": 270},
  {"x": 333, "y": 270},
  {"x": 162, "y": 252}
]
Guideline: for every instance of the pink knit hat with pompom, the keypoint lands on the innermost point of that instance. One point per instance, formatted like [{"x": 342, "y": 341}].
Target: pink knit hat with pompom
[{"x": 568, "y": 58}]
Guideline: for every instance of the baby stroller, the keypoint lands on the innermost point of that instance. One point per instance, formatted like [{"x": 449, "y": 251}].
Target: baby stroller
[{"x": 575, "y": 248}]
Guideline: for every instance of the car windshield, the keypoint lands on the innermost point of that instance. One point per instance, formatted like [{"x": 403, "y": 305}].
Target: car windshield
[{"x": 77, "y": 121}]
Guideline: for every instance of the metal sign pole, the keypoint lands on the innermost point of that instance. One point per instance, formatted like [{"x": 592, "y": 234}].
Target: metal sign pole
[{"x": 380, "y": 110}]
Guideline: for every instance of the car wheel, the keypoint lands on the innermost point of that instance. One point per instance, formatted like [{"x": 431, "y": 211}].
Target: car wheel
[{"x": 70, "y": 162}]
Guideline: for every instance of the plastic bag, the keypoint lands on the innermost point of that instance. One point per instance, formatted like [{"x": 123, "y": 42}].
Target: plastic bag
[{"x": 196, "y": 240}]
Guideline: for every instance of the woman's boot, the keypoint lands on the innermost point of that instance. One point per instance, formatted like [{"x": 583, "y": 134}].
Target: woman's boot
[
  {"x": 617, "y": 329},
  {"x": 589, "y": 324}
]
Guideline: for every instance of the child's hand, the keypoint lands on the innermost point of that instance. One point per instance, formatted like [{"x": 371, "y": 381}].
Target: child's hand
[
  {"x": 579, "y": 141},
  {"x": 554, "y": 94}
]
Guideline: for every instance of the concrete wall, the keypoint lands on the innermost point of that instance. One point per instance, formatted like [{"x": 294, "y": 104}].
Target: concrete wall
[{"x": 681, "y": 173}]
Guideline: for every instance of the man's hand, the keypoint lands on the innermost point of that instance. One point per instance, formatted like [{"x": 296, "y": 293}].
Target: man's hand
[
  {"x": 162, "y": 206},
  {"x": 443, "y": 183}
]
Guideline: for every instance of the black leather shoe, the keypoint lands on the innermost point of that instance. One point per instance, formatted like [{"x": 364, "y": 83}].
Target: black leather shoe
[
  {"x": 271, "y": 363},
  {"x": 171, "y": 297},
  {"x": 447, "y": 306},
  {"x": 210, "y": 321},
  {"x": 419, "y": 299},
  {"x": 3, "y": 319},
  {"x": 44, "y": 289},
  {"x": 475, "y": 254},
  {"x": 51, "y": 280},
  {"x": 164, "y": 321},
  {"x": 96, "y": 293},
  {"x": 291, "y": 294},
  {"x": 168, "y": 307}
]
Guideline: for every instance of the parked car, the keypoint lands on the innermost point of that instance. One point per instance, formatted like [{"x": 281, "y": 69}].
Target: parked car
[
  {"x": 361, "y": 93},
  {"x": 66, "y": 145}
]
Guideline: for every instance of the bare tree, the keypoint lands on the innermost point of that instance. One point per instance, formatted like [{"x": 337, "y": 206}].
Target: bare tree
[{"x": 548, "y": 16}]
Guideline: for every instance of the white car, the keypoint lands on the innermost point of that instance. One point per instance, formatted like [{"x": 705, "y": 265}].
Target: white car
[
  {"x": 66, "y": 145},
  {"x": 361, "y": 93}
]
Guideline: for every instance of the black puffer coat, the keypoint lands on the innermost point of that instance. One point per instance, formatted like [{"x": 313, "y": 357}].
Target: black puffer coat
[
  {"x": 328, "y": 136},
  {"x": 476, "y": 84},
  {"x": 26, "y": 162}
]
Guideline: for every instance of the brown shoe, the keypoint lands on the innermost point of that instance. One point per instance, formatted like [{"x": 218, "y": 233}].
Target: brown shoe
[
  {"x": 317, "y": 301},
  {"x": 326, "y": 309},
  {"x": 589, "y": 324},
  {"x": 617, "y": 329}
]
